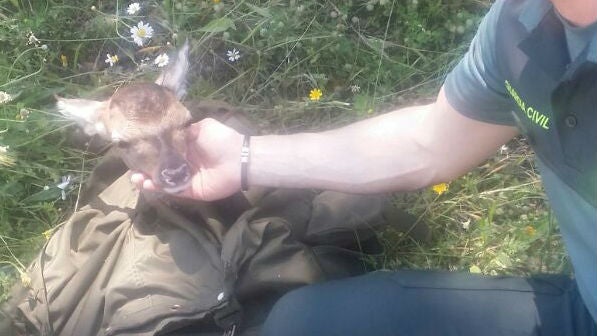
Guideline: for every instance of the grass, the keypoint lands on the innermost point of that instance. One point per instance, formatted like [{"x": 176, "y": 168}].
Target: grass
[
  {"x": 494, "y": 220},
  {"x": 365, "y": 56}
]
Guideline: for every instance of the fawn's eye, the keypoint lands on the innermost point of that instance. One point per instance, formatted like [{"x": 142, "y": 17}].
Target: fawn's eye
[
  {"x": 187, "y": 124},
  {"x": 123, "y": 144}
]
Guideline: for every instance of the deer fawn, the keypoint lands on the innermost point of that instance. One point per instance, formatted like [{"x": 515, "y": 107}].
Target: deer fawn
[{"x": 146, "y": 121}]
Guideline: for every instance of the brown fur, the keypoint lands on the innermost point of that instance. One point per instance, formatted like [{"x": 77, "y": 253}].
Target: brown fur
[
  {"x": 144, "y": 110},
  {"x": 144, "y": 102}
]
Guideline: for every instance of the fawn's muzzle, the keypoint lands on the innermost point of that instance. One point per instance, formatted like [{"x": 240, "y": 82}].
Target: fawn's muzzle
[{"x": 175, "y": 179}]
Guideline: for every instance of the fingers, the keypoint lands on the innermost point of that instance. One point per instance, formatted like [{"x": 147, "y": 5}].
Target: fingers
[
  {"x": 148, "y": 185},
  {"x": 141, "y": 182},
  {"x": 194, "y": 129},
  {"x": 137, "y": 179}
]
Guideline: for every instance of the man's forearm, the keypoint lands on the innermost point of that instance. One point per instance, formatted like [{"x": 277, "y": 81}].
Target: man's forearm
[
  {"x": 374, "y": 155},
  {"x": 403, "y": 150}
]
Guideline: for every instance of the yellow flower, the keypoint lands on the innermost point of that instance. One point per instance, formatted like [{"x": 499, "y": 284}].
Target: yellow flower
[
  {"x": 440, "y": 188},
  {"x": 25, "y": 279},
  {"x": 216, "y": 1},
  {"x": 529, "y": 230},
  {"x": 315, "y": 94},
  {"x": 64, "y": 60},
  {"x": 48, "y": 233}
]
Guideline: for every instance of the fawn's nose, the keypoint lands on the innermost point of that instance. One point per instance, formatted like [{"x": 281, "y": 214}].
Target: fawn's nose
[{"x": 176, "y": 176}]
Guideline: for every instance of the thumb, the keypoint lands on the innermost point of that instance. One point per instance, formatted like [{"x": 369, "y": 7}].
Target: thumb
[{"x": 193, "y": 131}]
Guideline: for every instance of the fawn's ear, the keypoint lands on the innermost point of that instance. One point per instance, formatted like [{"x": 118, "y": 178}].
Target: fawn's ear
[
  {"x": 174, "y": 77},
  {"x": 86, "y": 113}
]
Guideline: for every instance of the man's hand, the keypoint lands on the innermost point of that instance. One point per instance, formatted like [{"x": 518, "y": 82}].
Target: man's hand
[{"x": 213, "y": 150}]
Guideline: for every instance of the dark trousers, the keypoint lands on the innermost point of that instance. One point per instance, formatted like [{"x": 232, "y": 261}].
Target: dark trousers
[{"x": 433, "y": 303}]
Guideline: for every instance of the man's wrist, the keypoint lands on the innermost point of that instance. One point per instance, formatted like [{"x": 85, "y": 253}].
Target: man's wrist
[{"x": 245, "y": 153}]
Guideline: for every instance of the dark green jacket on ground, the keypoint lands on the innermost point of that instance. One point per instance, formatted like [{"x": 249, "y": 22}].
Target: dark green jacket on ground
[{"x": 131, "y": 264}]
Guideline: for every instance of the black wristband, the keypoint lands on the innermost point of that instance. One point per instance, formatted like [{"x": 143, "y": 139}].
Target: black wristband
[{"x": 244, "y": 163}]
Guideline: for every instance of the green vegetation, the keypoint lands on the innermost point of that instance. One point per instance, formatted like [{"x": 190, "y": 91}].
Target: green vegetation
[{"x": 364, "y": 56}]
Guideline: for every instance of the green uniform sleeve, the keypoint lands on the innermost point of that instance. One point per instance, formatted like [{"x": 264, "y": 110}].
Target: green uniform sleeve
[{"x": 475, "y": 87}]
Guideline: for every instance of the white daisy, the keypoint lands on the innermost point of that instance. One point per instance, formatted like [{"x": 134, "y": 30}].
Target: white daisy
[
  {"x": 24, "y": 114},
  {"x": 6, "y": 159},
  {"x": 233, "y": 55},
  {"x": 141, "y": 32},
  {"x": 5, "y": 97},
  {"x": 111, "y": 59},
  {"x": 161, "y": 60},
  {"x": 133, "y": 8},
  {"x": 63, "y": 185},
  {"x": 32, "y": 40},
  {"x": 466, "y": 224},
  {"x": 504, "y": 149}
]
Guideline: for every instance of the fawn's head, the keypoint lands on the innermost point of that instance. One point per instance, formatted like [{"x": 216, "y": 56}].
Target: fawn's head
[{"x": 146, "y": 122}]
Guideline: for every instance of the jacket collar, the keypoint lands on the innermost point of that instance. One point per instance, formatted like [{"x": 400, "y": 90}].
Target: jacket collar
[
  {"x": 535, "y": 10},
  {"x": 592, "y": 52}
]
